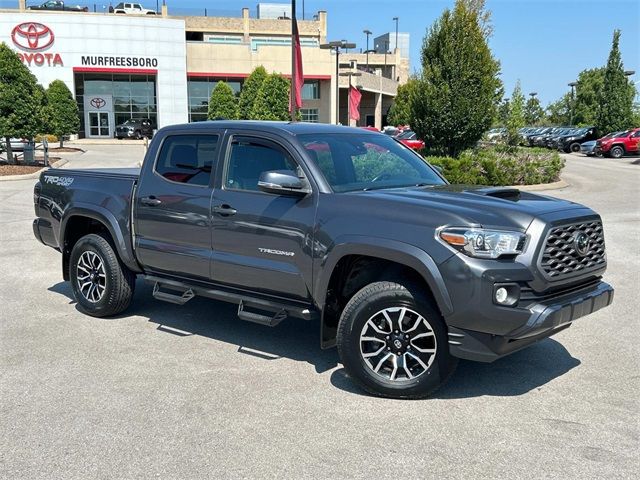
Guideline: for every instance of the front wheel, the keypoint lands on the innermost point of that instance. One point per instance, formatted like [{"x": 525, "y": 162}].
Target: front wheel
[
  {"x": 617, "y": 152},
  {"x": 393, "y": 342},
  {"x": 575, "y": 147},
  {"x": 101, "y": 285}
]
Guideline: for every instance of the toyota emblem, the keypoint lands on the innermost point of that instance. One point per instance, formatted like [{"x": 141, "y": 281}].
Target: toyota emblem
[
  {"x": 32, "y": 36},
  {"x": 98, "y": 102},
  {"x": 581, "y": 243}
]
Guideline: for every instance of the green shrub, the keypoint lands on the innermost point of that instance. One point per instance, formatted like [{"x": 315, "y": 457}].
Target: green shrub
[{"x": 501, "y": 166}]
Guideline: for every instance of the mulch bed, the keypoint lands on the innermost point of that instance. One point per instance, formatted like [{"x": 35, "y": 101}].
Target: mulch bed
[
  {"x": 65, "y": 149},
  {"x": 21, "y": 169},
  {"x": 18, "y": 169}
]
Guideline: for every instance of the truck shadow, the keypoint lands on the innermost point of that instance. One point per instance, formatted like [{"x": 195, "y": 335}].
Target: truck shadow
[
  {"x": 294, "y": 339},
  {"x": 517, "y": 374}
]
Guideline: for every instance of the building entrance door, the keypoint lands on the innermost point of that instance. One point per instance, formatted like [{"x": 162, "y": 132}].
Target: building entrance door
[{"x": 99, "y": 124}]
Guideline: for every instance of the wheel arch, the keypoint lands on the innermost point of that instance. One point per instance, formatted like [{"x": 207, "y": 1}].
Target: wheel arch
[
  {"x": 81, "y": 220},
  {"x": 390, "y": 258}
]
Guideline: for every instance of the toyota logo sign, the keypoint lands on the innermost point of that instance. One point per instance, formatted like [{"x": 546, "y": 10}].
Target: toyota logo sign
[
  {"x": 98, "y": 102},
  {"x": 32, "y": 36}
]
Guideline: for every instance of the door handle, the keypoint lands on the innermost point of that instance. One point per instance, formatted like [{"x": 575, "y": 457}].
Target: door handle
[
  {"x": 150, "y": 201},
  {"x": 224, "y": 210}
]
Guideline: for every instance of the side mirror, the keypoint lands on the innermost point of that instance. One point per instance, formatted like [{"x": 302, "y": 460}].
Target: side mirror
[{"x": 282, "y": 182}]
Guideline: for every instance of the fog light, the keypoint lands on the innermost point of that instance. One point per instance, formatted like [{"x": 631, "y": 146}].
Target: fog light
[{"x": 502, "y": 295}]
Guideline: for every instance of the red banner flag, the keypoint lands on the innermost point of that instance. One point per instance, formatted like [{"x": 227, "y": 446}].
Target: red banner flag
[
  {"x": 297, "y": 77},
  {"x": 354, "y": 103}
]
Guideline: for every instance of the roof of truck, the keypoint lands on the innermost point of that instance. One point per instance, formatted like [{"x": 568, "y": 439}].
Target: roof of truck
[{"x": 293, "y": 128}]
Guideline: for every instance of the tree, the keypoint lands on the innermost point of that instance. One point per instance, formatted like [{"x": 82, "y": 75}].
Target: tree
[
  {"x": 272, "y": 101},
  {"x": 515, "y": 120},
  {"x": 502, "y": 116},
  {"x": 400, "y": 111},
  {"x": 588, "y": 91},
  {"x": 61, "y": 111},
  {"x": 616, "y": 97},
  {"x": 559, "y": 112},
  {"x": 458, "y": 91},
  {"x": 20, "y": 99},
  {"x": 223, "y": 103},
  {"x": 533, "y": 111},
  {"x": 249, "y": 92}
]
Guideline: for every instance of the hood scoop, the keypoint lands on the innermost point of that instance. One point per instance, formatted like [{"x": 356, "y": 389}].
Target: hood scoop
[{"x": 505, "y": 193}]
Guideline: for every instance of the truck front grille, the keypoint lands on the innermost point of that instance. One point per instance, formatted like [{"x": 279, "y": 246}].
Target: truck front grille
[{"x": 562, "y": 255}]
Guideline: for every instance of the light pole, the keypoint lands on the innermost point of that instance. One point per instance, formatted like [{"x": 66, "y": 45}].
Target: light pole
[
  {"x": 396, "y": 19},
  {"x": 367, "y": 33},
  {"x": 573, "y": 86},
  {"x": 349, "y": 74},
  {"x": 533, "y": 94},
  {"x": 336, "y": 46}
]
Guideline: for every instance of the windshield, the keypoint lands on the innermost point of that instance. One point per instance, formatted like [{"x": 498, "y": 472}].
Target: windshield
[
  {"x": 131, "y": 121},
  {"x": 408, "y": 135},
  {"x": 352, "y": 162}
]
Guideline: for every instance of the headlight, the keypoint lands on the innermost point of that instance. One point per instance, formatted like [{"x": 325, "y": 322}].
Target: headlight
[{"x": 481, "y": 243}]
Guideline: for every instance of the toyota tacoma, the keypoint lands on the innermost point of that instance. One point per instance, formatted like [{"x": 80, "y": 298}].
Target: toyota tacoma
[{"x": 402, "y": 271}]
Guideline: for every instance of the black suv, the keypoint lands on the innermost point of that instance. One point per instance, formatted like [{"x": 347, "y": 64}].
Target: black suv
[
  {"x": 571, "y": 142},
  {"x": 135, "y": 128}
]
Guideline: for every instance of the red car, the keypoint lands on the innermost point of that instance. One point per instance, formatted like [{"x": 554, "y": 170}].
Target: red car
[
  {"x": 411, "y": 140},
  {"x": 616, "y": 147}
]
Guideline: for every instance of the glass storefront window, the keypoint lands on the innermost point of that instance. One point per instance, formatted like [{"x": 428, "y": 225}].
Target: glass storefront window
[
  {"x": 134, "y": 96},
  {"x": 199, "y": 90},
  {"x": 311, "y": 90}
]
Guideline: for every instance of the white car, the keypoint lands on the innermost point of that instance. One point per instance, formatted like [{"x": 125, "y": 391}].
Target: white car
[{"x": 132, "y": 9}]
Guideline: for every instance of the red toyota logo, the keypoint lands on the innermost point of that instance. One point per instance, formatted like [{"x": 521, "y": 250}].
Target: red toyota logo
[
  {"x": 98, "y": 102},
  {"x": 32, "y": 36}
]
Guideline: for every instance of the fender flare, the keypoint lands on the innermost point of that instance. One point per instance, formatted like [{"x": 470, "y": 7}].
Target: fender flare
[
  {"x": 123, "y": 245},
  {"x": 392, "y": 250}
]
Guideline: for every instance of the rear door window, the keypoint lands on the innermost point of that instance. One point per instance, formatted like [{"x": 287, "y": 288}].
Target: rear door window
[{"x": 188, "y": 158}]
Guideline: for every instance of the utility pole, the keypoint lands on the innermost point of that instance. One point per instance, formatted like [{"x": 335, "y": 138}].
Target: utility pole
[
  {"x": 336, "y": 46},
  {"x": 367, "y": 33}
]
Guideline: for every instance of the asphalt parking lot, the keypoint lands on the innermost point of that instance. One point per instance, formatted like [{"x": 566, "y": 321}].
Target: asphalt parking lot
[{"x": 192, "y": 392}]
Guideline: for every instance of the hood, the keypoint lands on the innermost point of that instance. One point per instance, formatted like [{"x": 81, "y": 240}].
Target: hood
[{"x": 493, "y": 207}]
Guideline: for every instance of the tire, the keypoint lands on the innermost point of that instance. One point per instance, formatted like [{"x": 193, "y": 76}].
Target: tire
[
  {"x": 617, "y": 151},
  {"x": 114, "y": 283},
  {"x": 119, "y": 138},
  {"x": 575, "y": 147},
  {"x": 138, "y": 135},
  {"x": 364, "y": 310}
]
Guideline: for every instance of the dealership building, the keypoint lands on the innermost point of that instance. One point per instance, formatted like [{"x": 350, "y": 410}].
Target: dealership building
[{"x": 164, "y": 67}]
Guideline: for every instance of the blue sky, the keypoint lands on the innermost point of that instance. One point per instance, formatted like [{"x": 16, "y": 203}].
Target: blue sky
[{"x": 544, "y": 43}]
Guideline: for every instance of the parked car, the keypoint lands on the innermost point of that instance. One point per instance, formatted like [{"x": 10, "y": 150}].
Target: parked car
[
  {"x": 135, "y": 128},
  {"x": 131, "y": 9},
  {"x": 17, "y": 144},
  {"x": 534, "y": 138},
  {"x": 58, "y": 5},
  {"x": 246, "y": 212},
  {"x": 551, "y": 140},
  {"x": 623, "y": 144},
  {"x": 571, "y": 142},
  {"x": 411, "y": 140},
  {"x": 589, "y": 148},
  {"x": 496, "y": 134}
]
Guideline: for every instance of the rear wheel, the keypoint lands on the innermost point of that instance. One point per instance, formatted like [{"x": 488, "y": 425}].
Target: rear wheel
[
  {"x": 574, "y": 147},
  {"x": 101, "y": 285},
  {"x": 393, "y": 341},
  {"x": 617, "y": 151}
]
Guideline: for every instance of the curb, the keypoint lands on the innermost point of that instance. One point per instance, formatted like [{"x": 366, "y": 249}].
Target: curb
[
  {"x": 28, "y": 176},
  {"x": 539, "y": 187}
]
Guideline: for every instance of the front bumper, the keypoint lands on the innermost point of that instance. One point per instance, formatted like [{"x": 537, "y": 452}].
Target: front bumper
[
  {"x": 544, "y": 319},
  {"x": 124, "y": 133}
]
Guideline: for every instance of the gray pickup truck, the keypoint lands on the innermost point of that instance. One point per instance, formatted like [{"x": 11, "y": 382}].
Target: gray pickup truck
[{"x": 404, "y": 272}]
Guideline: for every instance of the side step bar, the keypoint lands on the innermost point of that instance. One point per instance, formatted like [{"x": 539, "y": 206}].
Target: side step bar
[{"x": 272, "y": 311}]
